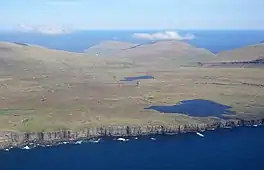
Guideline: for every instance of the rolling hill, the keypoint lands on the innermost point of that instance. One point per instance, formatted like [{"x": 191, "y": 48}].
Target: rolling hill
[
  {"x": 46, "y": 90},
  {"x": 249, "y": 56},
  {"x": 174, "y": 53}
]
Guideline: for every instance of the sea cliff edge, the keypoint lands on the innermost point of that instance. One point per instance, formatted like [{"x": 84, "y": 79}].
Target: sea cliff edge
[{"x": 16, "y": 139}]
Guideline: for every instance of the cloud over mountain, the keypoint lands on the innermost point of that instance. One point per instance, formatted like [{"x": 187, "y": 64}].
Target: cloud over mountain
[{"x": 167, "y": 35}]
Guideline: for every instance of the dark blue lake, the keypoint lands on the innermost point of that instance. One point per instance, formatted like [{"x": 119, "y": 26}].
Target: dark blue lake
[
  {"x": 137, "y": 78},
  {"x": 196, "y": 107},
  {"x": 227, "y": 149}
]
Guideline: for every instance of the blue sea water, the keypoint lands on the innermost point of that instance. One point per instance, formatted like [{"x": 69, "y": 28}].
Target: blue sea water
[
  {"x": 213, "y": 40},
  {"x": 195, "y": 108},
  {"x": 228, "y": 149},
  {"x": 221, "y": 40}
]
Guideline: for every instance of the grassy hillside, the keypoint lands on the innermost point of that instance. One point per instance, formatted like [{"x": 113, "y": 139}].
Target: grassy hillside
[
  {"x": 246, "y": 57},
  {"x": 160, "y": 54},
  {"x": 43, "y": 89},
  {"x": 248, "y": 53}
]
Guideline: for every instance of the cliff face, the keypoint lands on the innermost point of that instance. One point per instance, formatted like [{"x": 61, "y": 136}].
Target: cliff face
[{"x": 8, "y": 139}]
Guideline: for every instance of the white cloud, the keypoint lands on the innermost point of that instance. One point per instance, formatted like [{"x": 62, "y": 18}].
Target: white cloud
[
  {"x": 167, "y": 35},
  {"x": 45, "y": 29}
]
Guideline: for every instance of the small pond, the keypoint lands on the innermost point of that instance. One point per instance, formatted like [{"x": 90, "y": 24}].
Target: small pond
[
  {"x": 137, "y": 78},
  {"x": 196, "y": 108}
]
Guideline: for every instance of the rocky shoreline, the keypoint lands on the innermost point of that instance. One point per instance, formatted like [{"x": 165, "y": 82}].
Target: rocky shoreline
[{"x": 18, "y": 139}]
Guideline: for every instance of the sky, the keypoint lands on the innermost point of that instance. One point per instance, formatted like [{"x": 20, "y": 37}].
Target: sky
[{"x": 63, "y": 15}]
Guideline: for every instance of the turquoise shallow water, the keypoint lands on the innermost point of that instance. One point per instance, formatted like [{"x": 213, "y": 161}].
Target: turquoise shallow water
[{"x": 229, "y": 149}]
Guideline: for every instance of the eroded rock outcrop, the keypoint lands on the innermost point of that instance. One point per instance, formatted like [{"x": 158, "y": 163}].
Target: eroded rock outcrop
[{"x": 8, "y": 139}]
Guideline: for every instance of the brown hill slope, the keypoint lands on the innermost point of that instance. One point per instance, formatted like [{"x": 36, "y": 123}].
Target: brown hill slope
[
  {"x": 45, "y": 90},
  {"x": 111, "y": 45},
  {"x": 248, "y": 53},
  {"x": 174, "y": 53},
  {"x": 247, "y": 57},
  {"x": 17, "y": 58}
]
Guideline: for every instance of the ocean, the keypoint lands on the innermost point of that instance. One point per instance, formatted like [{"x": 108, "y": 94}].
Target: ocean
[
  {"x": 213, "y": 40},
  {"x": 228, "y": 149}
]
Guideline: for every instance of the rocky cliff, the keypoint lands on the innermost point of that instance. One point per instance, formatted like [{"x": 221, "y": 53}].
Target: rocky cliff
[{"x": 8, "y": 139}]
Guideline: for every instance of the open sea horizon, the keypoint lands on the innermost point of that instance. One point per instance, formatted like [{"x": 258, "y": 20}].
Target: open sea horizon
[{"x": 79, "y": 41}]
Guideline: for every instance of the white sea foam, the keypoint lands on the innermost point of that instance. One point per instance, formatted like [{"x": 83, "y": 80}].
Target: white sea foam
[
  {"x": 95, "y": 140},
  {"x": 153, "y": 138},
  {"x": 26, "y": 147},
  {"x": 79, "y": 142},
  {"x": 199, "y": 134},
  {"x": 122, "y": 139}
]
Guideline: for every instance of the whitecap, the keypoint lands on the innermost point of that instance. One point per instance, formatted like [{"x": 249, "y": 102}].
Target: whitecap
[
  {"x": 199, "y": 134},
  {"x": 79, "y": 142},
  {"x": 153, "y": 138},
  {"x": 26, "y": 147},
  {"x": 122, "y": 139},
  {"x": 95, "y": 140}
]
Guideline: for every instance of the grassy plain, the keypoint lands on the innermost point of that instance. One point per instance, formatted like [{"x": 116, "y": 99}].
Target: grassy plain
[{"x": 44, "y": 90}]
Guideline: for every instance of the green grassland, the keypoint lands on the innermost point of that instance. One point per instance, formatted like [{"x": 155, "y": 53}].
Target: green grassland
[{"x": 45, "y": 90}]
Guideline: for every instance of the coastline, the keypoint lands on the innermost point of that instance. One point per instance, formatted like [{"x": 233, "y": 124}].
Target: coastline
[{"x": 10, "y": 139}]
